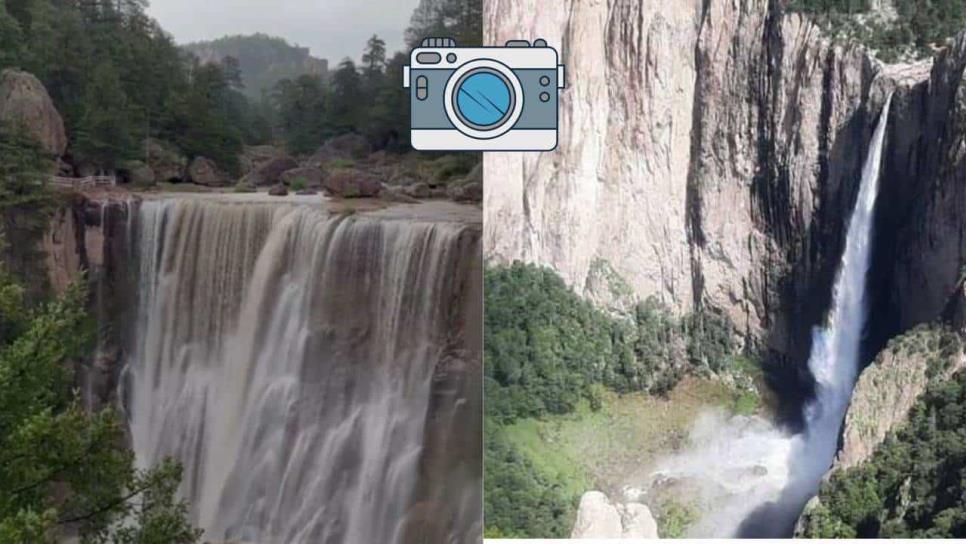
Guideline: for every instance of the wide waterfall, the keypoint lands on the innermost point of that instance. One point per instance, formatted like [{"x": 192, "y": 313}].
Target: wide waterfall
[
  {"x": 748, "y": 476},
  {"x": 288, "y": 356}
]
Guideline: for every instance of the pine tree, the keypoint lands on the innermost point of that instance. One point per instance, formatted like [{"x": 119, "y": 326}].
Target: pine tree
[
  {"x": 104, "y": 134},
  {"x": 347, "y": 112},
  {"x": 374, "y": 57},
  {"x": 10, "y": 38}
]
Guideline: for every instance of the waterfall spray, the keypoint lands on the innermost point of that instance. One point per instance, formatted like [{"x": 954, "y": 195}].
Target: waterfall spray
[{"x": 750, "y": 478}]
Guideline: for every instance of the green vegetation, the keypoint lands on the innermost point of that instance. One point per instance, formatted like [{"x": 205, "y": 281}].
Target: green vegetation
[
  {"x": 545, "y": 347},
  {"x": 299, "y": 184},
  {"x": 543, "y": 463},
  {"x": 918, "y": 25},
  {"x": 118, "y": 79},
  {"x": 673, "y": 519},
  {"x": 24, "y": 168},
  {"x": 263, "y": 60},
  {"x": 567, "y": 395},
  {"x": 369, "y": 99},
  {"x": 64, "y": 469},
  {"x": 913, "y": 486},
  {"x": 520, "y": 500}
]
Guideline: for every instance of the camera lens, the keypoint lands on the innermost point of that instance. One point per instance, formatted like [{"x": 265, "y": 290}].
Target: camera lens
[{"x": 483, "y": 98}]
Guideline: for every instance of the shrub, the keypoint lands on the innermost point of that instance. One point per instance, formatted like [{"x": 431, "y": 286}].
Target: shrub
[{"x": 299, "y": 184}]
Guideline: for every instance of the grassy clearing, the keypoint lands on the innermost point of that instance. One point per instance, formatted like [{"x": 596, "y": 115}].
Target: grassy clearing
[{"x": 608, "y": 448}]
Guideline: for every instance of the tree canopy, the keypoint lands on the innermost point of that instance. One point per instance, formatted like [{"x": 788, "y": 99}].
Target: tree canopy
[{"x": 63, "y": 469}]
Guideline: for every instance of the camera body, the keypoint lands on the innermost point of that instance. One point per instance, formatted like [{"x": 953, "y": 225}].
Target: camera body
[{"x": 484, "y": 98}]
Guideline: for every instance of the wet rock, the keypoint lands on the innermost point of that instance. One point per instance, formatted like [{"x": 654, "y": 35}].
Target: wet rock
[{"x": 278, "y": 189}]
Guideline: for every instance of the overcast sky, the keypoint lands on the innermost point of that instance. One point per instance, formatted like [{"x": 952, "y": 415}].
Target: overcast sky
[{"x": 332, "y": 29}]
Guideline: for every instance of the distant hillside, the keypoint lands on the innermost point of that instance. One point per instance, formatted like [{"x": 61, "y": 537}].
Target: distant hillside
[{"x": 264, "y": 60}]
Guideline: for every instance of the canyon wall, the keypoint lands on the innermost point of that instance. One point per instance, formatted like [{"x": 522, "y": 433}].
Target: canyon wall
[{"x": 709, "y": 155}]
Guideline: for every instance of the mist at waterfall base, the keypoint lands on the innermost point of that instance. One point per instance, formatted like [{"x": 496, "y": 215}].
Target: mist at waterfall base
[
  {"x": 286, "y": 357},
  {"x": 747, "y": 477}
]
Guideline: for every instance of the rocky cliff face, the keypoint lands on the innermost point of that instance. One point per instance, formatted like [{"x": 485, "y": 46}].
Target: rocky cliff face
[
  {"x": 890, "y": 386},
  {"x": 710, "y": 154},
  {"x": 922, "y": 247}
]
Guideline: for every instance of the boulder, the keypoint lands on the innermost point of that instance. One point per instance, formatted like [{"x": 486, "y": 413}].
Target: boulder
[
  {"x": 396, "y": 194},
  {"x": 270, "y": 172},
  {"x": 278, "y": 189},
  {"x": 255, "y": 156},
  {"x": 24, "y": 102},
  {"x": 638, "y": 522},
  {"x": 346, "y": 146},
  {"x": 137, "y": 173},
  {"x": 312, "y": 176},
  {"x": 204, "y": 171},
  {"x": 470, "y": 192},
  {"x": 417, "y": 190},
  {"x": 597, "y": 518},
  {"x": 351, "y": 183},
  {"x": 168, "y": 163}
]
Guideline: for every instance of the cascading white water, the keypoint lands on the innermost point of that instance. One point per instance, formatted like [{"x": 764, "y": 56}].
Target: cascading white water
[
  {"x": 749, "y": 477},
  {"x": 286, "y": 356}
]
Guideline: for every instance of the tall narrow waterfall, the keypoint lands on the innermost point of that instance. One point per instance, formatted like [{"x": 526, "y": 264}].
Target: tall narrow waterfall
[
  {"x": 750, "y": 478},
  {"x": 834, "y": 360},
  {"x": 286, "y": 356}
]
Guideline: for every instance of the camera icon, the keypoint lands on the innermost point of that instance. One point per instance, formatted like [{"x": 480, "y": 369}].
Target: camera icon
[{"x": 483, "y": 98}]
